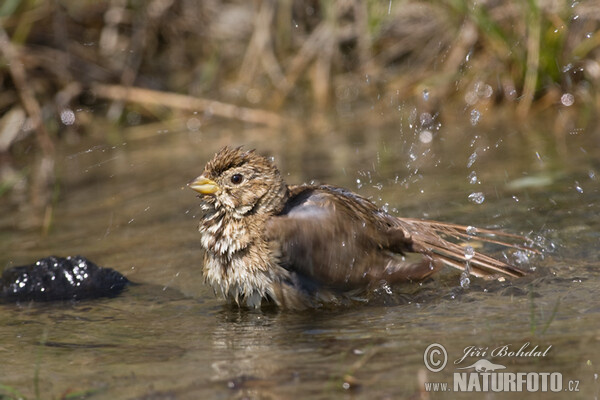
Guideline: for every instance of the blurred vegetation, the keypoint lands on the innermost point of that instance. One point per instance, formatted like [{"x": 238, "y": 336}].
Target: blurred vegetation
[{"x": 67, "y": 67}]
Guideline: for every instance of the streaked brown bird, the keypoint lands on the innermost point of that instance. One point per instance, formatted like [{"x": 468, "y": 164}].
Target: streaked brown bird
[{"x": 308, "y": 245}]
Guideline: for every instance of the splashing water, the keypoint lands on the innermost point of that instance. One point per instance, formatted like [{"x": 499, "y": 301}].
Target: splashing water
[
  {"x": 473, "y": 178},
  {"x": 521, "y": 257},
  {"x": 567, "y": 99},
  {"x": 472, "y": 159},
  {"x": 425, "y": 137},
  {"x": 475, "y": 117},
  {"x": 477, "y": 197},
  {"x": 67, "y": 116},
  {"x": 465, "y": 281},
  {"x": 469, "y": 252},
  {"x": 387, "y": 288}
]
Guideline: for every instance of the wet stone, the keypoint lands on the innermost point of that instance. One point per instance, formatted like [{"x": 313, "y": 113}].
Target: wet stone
[{"x": 58, "y": 278}]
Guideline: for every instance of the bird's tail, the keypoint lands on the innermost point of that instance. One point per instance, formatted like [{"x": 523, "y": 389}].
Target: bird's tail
[{"x": 453, "y": 245}]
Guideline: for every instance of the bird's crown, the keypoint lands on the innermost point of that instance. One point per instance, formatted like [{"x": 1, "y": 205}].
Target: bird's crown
[{"x": 228, "y": 158}]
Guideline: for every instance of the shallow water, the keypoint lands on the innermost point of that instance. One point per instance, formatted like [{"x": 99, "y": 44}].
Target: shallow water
[{"x": 126, "y": 206}]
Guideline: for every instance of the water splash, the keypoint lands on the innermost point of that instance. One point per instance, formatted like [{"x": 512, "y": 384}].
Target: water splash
[
  {"x": 465, "y": 281},
  {"x": 425, "y": 137},
  {"x": 475, "y": 117},
  {"x": 426, "y": 119},
  {"x": 567, "y": 99},
  {"x": 472, "y": 159},
  {"x": 67, "y": 116},
  {"x": 521, "y": 257},
  {"x": 387, "y": 288},
  {"x": 473, "y": 178},
  {"x": 469, "y": 252},
  {"x": 477, "y": 197},
  {"x": 471, "y": 230}
]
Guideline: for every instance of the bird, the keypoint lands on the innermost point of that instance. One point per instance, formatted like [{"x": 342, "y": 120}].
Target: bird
[{"x": 311, "y": 245}]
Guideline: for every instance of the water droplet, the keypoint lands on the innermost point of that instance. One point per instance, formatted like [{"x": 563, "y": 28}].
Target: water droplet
[
  {"x": 578, "y": 187},
  {"x": 471, "y": 230},
  {"x": 567, "y": 99},
  {"x": 515, "y": 198},
  {"x": 487, "y": 91},
  {"x": 425, "y": 94},
  {"x": 592, "y": 174},
  {"x": 477, "y": 197},
  {"x": 426, "y": 119},
  {"x": 475, "y": 117},
  {"x": 472, "y": 159},
  {"x": 193, "y": 124},
  {"x": 473, "y": 178},
  {"x": 471, "y": 98},
  {"x": 521, "y": 257},
  {"x": 67, "y": 116},
  {"x": 387, "y": 288},
  {"x": 469, "y": 252},
  {"x": 464, "y": 281},
  {"x": 425, "y": 137},
  {"x": 358, "y": 183}
]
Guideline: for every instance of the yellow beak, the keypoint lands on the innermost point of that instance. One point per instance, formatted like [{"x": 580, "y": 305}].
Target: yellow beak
[{"x": 204, "y": 185}]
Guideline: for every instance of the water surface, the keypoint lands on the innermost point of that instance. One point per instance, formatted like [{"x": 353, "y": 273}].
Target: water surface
[{"x": 126, "y": 206}]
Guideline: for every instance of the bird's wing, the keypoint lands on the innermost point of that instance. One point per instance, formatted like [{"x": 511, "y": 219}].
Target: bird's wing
[
  {"x": 325, "y": 235},
  {"x": 453, "y": 245}
]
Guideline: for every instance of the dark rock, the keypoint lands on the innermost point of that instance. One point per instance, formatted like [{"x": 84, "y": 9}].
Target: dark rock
[{"x": 58, "y": 278}]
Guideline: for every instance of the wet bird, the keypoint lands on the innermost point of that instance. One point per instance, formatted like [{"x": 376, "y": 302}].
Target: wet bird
[{"x": 308, "y": 245}]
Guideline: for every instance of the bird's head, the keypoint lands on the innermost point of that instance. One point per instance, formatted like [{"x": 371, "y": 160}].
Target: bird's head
[{"x": 242, "y": 182}]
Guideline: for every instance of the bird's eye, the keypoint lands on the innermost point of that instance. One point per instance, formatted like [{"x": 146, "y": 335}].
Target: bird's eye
[{"x": 237, "y": 179}]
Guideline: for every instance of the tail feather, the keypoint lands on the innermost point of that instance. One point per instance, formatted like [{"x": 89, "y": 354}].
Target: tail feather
[{"x": 447, "y": 242}]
